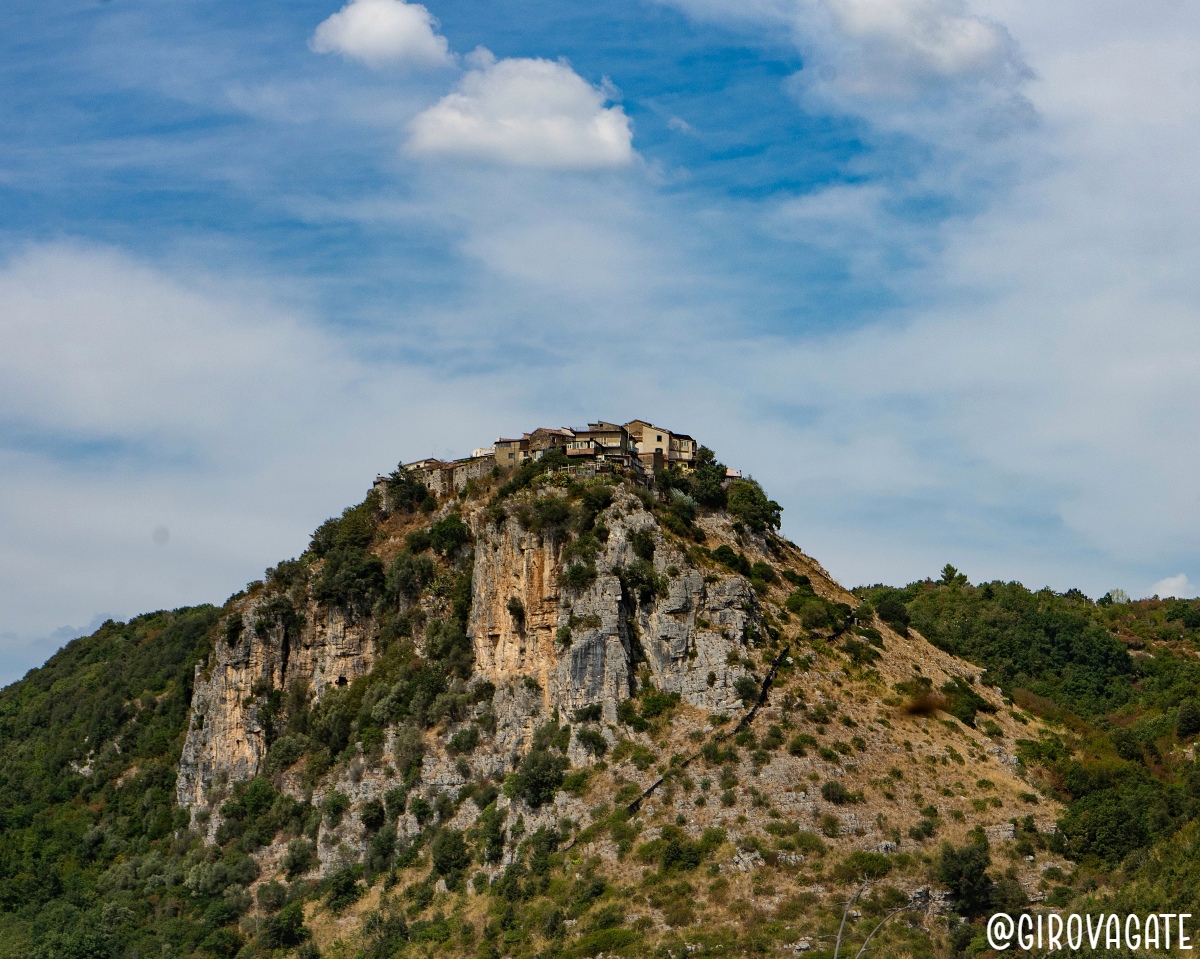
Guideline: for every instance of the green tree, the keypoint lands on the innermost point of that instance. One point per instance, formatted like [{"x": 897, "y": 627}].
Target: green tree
[
  {"x": 750, "y": 504},
  {"x": 1187, "y": 719},
  {"x": 964, "y": 871},
  {"x": 447, "y": 536},
  {"x": 450, "y": 853}
]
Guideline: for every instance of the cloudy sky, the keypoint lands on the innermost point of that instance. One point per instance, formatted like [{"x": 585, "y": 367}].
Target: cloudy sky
[{"x": 926, "y": 268}]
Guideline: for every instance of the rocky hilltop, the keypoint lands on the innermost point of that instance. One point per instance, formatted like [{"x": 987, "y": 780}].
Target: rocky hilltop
[{"x": 550, "y": 680}]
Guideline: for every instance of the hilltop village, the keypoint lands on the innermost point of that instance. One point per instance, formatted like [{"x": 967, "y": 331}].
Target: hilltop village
[{"x": 637, "y": 448}]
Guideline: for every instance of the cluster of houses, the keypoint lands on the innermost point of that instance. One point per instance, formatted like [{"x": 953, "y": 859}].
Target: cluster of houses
[{"x": 635, "y": 448}]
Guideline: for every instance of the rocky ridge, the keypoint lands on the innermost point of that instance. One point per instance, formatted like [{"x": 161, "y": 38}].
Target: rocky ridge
[{"x": 757, "y": 714}]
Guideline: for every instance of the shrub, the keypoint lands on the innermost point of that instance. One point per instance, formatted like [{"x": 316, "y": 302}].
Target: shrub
[
  {"x": 343, "y": 890},
  {"x": 964, "y": 872},
  {"x": 284, "y": 752},
  {"x": 417, "y": 541},
  {"x": 450, "y": 855},
  {"x": 641, "y": 541},
  {"x": 404, "y": 491},
  {"x": 589, "y": 714},
  {"x": 893, "y": 612},
  {"x": 591, "y": 740},
  {"x": 834, "y": 792},
  {"x": 538, "y": 777},
  {"x": 549, "y": 517},
  {"x": 408, "y": 575},
  {"x": 285, "y": 930},
  {"x": 639, "y": 577},
  {"x": 447, "y": 644},
  {"x": 764, "y": 572},
  {"x": 747, "y": 689},
  {"x": 335, "y": 806},
  {"x": 372, "y": 815},
  {"x": 801, "y": 743},
  {"x": 1187, "y": 719},
  {"x": 447, "y": 536},
  {"x": 352, "y": 531},
  {"x": 579, "y": 576},
  {"x": 352, "y": 579},
  {"x": 860, "y": 865},
  {"x": 463, "y": 741},
  {"x": 300, "y": 857},
  {"x": 725, "y": 555},
  {"x": 750, "y": 504}
]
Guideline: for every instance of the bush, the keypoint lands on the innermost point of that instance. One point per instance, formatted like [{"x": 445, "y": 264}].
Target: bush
[
  {"x": 641, "y": 541},
  {"x": 893, "y": 612},
  {"x": 964, "y": 871},
  {"x": 579, "y": 576},
  {"x": 285, "y": 930},
  {"x": 860, "y": 865},
  {"x": 352, "y": 579},
  {"x": 372, "y": 815},
  {"x": 408, "y": 575},
  {"x": 353, "y": 530},
  {"x": 284, "y": 752},
  {"x": 591, "y": 740},
  {"x": 447, "y": 536},
  {"x": 747, "y": 689},
  {"x": 639, "y": 577},
  {"x": 1187, "y": 719},
  {"x": 343, "y": 889},
  {"x": 801, "y": 743},
  {"x": 834, "y": 792},
  {"x": 750, "y": 504},
  {"x": 549, "y": 517},
  {"x": 463, "y": 741},
  {"x": 725, "y": 555},
  {"x": 764, "y": 572},
  {"x": 300, "y": 857},
  {"x": 335, "y": 806},
  {"x": 450, "y": 855},
  {"x": 417, "y": 541},
  {"x": 405, "y": 492},
  {"x": 538, "y": 777}
]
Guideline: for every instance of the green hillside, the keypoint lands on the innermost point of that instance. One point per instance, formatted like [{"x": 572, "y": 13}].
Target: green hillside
[{"x": 97, "y": 861}]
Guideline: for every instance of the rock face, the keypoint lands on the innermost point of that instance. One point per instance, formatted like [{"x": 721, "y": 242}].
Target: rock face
[
  {"x": 543, "y": 645},
  {"x": 583, "y": 647},
  {"x": 226, "y": 741}
]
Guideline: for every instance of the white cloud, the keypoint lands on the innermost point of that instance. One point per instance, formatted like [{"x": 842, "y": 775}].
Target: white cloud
[
  {"x": 1173, "y": 587},
  {"x": 133, "y": 400},
  {"x": 920, "y": 38},
  {"x": 383, "y": 32},
  {"x": 927, "y": 67},
  {"x": 525, "y": 112}
]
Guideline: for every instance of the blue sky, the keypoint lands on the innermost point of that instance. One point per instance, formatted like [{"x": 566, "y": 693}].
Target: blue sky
[{"x": 924, "y": 267}]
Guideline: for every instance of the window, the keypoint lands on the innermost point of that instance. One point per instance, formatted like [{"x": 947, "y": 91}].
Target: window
[{"x": 658, "y": 439}]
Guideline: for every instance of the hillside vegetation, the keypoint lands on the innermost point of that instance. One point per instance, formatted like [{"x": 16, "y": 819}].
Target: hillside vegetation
[{"x": 859, "y": 765}]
